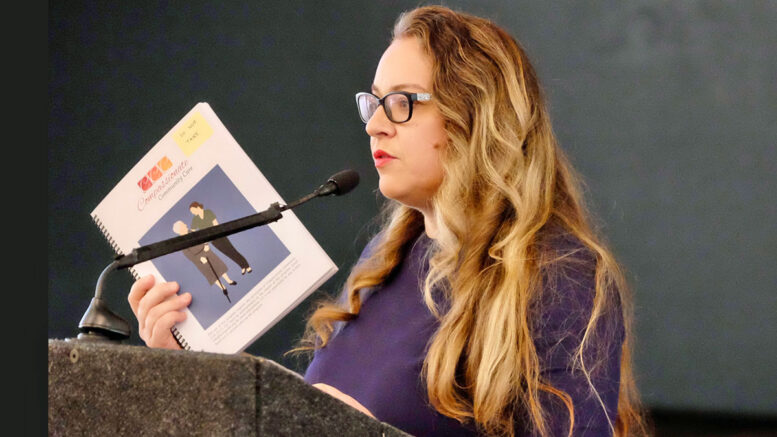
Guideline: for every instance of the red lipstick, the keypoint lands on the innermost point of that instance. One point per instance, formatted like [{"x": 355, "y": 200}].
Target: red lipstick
[{"x": 381, "y": 158}]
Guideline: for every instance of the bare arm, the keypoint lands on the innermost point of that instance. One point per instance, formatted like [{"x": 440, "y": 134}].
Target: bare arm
[{"x": 343, "y": 397}]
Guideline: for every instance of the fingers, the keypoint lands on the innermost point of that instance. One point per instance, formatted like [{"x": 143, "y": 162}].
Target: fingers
[
  {"x": 161, "y": 337},
  {"x": 138, "y": 290},
  {"x": 153, "y": 315},
  {"x": 158, "y": 308},
  {"x": 153, "y": 297}
]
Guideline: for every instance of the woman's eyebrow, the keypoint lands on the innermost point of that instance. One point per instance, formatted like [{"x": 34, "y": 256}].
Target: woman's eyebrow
[{"x": 398, "y": 87}]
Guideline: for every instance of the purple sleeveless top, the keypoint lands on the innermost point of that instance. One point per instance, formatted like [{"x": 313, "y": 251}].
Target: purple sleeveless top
[{"x": 377, "y": 357}]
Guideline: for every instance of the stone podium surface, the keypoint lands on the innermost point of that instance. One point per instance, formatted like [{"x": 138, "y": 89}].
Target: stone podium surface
[{"x": 109, "y": 389}]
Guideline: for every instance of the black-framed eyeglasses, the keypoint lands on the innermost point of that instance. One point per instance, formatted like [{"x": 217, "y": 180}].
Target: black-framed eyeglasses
[{"x": 397, "y": 105}]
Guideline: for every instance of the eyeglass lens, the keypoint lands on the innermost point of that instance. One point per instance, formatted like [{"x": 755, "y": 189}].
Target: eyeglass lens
[{"x": 397, "y": 107}]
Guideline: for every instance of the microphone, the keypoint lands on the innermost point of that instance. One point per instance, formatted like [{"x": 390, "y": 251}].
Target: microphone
[
  {"x": 100, "y": 323},
  {"x": 340, "y": 183}
]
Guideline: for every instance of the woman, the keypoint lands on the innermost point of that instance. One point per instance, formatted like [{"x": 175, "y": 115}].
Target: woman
[{"x": 486, "y": 303}]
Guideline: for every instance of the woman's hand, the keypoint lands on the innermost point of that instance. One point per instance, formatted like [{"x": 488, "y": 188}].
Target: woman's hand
[
  {"x": 343, "y": 397},
  {"x": 157, "y": 308}
]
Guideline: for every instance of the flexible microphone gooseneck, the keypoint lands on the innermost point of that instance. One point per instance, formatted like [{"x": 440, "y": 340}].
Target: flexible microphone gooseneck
[
  {"x": 338, "y": 184},
  {"x": 100, "y": 323}
]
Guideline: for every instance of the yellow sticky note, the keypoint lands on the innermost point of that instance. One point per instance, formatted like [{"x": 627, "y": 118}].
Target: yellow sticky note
[{"x": 194, "y": 132}]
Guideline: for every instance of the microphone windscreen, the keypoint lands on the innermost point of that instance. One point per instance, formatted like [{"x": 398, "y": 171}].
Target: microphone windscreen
[{"x": 345, "y": 181}]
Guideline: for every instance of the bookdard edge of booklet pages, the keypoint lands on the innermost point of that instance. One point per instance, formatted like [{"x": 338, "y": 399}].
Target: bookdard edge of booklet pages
[{"x": 196, "y": 176}]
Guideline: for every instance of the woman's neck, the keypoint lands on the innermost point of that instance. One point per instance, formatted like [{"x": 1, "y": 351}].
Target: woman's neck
[{"x": 430, "y": 225}]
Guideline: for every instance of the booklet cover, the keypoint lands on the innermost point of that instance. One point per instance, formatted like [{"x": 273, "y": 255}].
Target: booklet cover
[{"x": 197, "y": 176}]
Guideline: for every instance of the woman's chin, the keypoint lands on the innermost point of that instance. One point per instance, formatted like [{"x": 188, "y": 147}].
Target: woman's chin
[
  {"x": 388, "y": 193},
  {"x": 412, "y": 197},
  {"x": 391, "y": 191}
]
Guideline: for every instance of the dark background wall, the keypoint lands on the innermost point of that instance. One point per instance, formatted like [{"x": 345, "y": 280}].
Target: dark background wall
[{"x": 668, "y": 109}]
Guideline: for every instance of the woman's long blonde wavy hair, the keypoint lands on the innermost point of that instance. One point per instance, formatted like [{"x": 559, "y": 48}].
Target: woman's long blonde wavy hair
[{"x": 506, "y": 182}]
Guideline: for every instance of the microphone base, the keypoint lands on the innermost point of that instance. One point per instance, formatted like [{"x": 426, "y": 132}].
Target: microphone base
[
  {"x": 93, "y": 337},
  {"x": 100, "y": 321}
]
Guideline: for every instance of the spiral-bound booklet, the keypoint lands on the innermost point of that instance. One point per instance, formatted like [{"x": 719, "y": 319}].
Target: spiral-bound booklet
[{"x": 197, "y": 176}]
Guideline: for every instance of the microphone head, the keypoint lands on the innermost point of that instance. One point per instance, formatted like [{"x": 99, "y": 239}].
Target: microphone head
[{"x": 345, "y": 181}]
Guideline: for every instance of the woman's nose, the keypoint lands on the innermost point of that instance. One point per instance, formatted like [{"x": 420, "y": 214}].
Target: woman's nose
[{"x": 379, "y": 124}]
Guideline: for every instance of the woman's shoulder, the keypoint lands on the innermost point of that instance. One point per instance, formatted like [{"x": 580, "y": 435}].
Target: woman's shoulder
[
  {"x": 563, "y": 256},
  {"x": 566, "y": 300},
  {"x": 568, "y": 273},
  {"x": 372, "y": 244}
]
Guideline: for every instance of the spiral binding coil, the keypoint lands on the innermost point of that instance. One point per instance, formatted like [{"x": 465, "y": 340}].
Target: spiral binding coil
[
  {"x": 113, "y": 244},
  {"x": 179, "y": 339},
  {"x": 176, "y": 334},
  {"x": 111, "y": 241}
]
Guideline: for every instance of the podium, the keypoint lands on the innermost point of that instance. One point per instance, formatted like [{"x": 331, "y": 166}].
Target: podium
[{"x": 109, "y": 389}]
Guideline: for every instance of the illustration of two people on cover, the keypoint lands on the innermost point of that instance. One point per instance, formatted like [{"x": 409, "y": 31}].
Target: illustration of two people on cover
[{"x": 207, "y": 262}]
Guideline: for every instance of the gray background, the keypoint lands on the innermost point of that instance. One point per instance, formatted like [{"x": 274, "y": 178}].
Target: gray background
[{"x": 668, "y": 109}]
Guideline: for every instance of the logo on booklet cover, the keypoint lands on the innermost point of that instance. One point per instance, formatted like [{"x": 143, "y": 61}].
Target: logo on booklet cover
[{"x": 155, "y": 173}]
